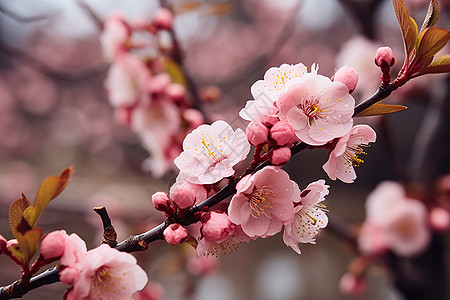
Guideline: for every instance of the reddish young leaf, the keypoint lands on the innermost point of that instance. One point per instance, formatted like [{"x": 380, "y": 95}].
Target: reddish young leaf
[
  {"x": 16, "y": 213},
  {"x": 28, "y": 244},
  {"x": 380, "y": 109},
  {"x": 407, "y": 25},
  {"x": 432, "y": 17}
]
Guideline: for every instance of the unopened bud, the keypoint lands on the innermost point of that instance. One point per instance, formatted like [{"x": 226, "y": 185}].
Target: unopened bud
[
  {"x": 161, "y": 201},
  {"x": 256, "y": 133},
  {"x": 439, "y": 219},
  {"x": 280, "y": 156},
  {"x": 53, "y": 244},
  {"x": 281, "y": 133},
  {"x": 352, "y": 285},
  {"x": 384, "y": 58},
  {"x": 175, "y": 234},
  {"x": 348, "y": 76},
  {"x": 182, "y": 195},
  {"x": 216, "y": 226}
]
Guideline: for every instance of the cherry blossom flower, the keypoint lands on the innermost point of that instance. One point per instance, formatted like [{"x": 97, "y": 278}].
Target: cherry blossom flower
[
  {"x": 216, "y": 226},
  {"x": 211, "y": 151},
  {"x": 114, "y": 36},
  {"x": 309, "y": 216},
  {"x": 267, "y": 91},
  {"x": 264, "y": 202},
  {"x": 345, "y": 154},
  {"x": 317, "y": 108},
  {"x": 107, "y": 273},
  {"x": 401, "y": 222},
  {"x": 127, "y": 81}
]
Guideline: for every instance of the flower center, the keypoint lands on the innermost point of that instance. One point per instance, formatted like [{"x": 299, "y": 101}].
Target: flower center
[
  {"x": 307, "y": 220},
  {"x": 312, "y": 110},
  {"x": 259, "y": 202},
  {"x": 210, "y": 152},
  {"x": 351, "y": 154}
]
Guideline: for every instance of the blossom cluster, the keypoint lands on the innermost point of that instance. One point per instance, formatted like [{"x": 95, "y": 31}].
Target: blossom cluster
[{"x": 146, "y": 87}]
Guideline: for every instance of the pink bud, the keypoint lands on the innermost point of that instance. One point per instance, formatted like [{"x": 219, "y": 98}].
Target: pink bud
[
  {"x": 182, "y": 195},
  {"x": 53, "y": 244},
  {"x": 3, "y": 243},
  {"x": 176, "y": 92},
  {"x": 280, "y": 156},
  {"x": 282, "y": 133},
  {"x": 123, "y": 115},
  {"x": 69, "y": 275},
  {"x": 163, "y": 19},
  {"x": 384, "y": 58},
  {"x": 439, "y": 219},
  {"x": 348, "y": 76},
  {"x": 161, "y": 201},
  {"x": 256, "y": 133},
  {"x": 159, "y": 83},
  {"x": 352, "y": 285},
  {"x": 216, "y": 226},
  {"x": 175, "y": 234},
  {"x": 194, "y": 118}
]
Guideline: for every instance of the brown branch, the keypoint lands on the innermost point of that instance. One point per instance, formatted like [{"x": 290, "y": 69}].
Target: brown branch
[{"x": 109, "y": 233}]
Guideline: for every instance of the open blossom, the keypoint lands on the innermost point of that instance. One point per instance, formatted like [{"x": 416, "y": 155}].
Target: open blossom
[
  {"x": 309, "y": 216},
  {"x": 114, "y": 36},
  {"x": 266, "y": 92},
  {"x": 317, "y": 108},
  {"x": 127, "y": 81},
  {"x": 107, "y": 273},
  {"x": 264, "y": 202},
  {"x": 400, "y": 222},
  {"x": 345, "y": 154},
  {"x": 211, "y": 151}
]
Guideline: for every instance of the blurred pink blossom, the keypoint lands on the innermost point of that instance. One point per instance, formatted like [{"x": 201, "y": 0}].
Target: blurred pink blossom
[
  {"x": 114, "y": 36},
  {"x": 264, "y": 202},
  {"x": 352, "y": 285},
  {"x": 227, "y": 246}
]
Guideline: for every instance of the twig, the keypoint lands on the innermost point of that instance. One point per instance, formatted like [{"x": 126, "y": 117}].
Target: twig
[{"x": 109, "y": 233}]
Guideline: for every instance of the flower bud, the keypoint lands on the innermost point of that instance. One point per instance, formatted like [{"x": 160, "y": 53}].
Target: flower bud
[
  {"x": 193, "y": 117},
  {"x": 176, "y": 92},
  {"x": 216, "y": 226},
  {"x": 161, "y": 201},
  {"x": 163, "y": 19},
  {"x": 12, "y": 243},
  {"x": 352, "y": 285},
  {"x": 439, "y": 219},
  {"x": 53, "y": 244},
  {"x": 175, "y": 234},
  {"x": 158, "y": 84},
  {"x": 256, "y": 133},
  {"x": 182, "y": 195},
  {"x": 384, "y": 58},
  {"x": 348, "y": 76},
  {"x": 281, "y": 133},
  {"x": 280, "y": 156}
]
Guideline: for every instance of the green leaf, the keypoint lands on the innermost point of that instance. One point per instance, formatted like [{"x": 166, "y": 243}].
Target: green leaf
[
  {"x": 49, "y": 190},
  {"x": 175, "y": 71},
  {"x": 407, "y": 25},
  {"x": 432, "y": 17},
  {"x": 381, "y": 109},
  {"x": 16, "y": 214}
]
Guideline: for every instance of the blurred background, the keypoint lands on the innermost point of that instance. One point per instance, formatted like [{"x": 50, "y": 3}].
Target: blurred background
[{"x": 54, "y": 112}]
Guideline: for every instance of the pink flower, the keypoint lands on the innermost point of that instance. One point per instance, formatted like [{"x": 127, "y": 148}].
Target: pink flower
[
  {"x": 401, "y": 222},
  {"x": 127, "y": 81},
  {"x": 161, "y": 201},
  {"x": 309, "y": 216},
  {"x": 181, "y": 195},
  {"x": 318, "y": 109},
  {"x": 384, "y": 58},
  {"x": 282, "y": 133},
  {"x": 175, "y": 234},
  {"x": 371, "y": 239},
  {"x": 201, "y": 265},
  {"x": 264, "y": 202},
  {"x": 114, "y": 36},
  {"x": 439, "y": 219},
  {"x": 216, "y": 226},
  {"x": 345, "y": 154},
  {"x": 211, "y": 151},
  {"x": 267, "y": 91},
  {"x": 53, "y": 244},
  {"x": 230, "y": 244},
  {"x": 163, "y": 19},
  {"x": 106, "y": 273},
  {"x": 352, "y": 285},
  {"x": 280, "y": 156}
]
